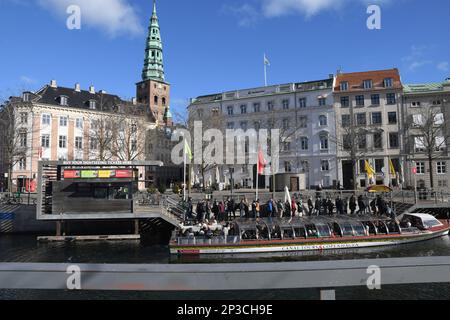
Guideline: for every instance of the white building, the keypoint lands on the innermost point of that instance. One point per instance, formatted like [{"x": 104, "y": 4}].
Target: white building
[{"x": 303, "y": 112}]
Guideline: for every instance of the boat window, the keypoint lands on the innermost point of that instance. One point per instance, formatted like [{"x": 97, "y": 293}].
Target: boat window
[
  {"x": 369, "y": 225},
  {"x": 393, "y": 227},
  {"x": 262, "y": 232},
  {"x": 337, "y": 230},
  {"x": 347, "y": 230},
  {"x": 300, "y": 232},
  {"x": 431, "y": 223},
  {"x": 311, "y": 231},
  {"x": 249, "y": 235},
  {"x": 323, "y": 230},
  {"x": 288, "y": 233},
  {"x": 275, "y": 232},
  {"x": 381, "y": 227},
  {"x": 359, "y": 229}
]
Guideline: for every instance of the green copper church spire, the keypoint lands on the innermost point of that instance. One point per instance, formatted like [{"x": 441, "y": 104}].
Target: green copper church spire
[{"x": 153, "y": 63}]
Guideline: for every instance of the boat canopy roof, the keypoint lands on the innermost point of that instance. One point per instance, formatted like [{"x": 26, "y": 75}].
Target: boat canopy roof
[
  {"x": 250, "y": 224},
  {"x": 427, "y": 219}
]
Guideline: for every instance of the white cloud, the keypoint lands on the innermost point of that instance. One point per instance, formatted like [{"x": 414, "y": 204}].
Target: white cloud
[
  {"x": 443, "y": 66},
  {"x": 246, "y": 14},
  {"x": 250, "y": 14},
  {"x": 115, "y": 17},
  {"x": 27, "y": 80},
  {"x": 417, "y": 57}
]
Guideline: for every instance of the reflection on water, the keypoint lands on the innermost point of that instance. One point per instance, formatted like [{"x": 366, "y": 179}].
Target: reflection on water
[{"x": 26, "y": 249}]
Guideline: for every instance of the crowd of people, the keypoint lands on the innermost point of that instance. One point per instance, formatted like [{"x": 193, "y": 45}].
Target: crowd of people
[{"x": 230, "y": 209}]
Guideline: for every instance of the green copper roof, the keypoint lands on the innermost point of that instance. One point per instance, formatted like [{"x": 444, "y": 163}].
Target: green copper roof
[
  {"x": 423, "y": 88},
  {"x": 168, "y": 114},
  {"x": 154, "y": 62}
]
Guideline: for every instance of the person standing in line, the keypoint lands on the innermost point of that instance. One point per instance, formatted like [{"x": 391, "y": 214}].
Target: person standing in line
[
  {"x": 258, "y": 209},
  {"x": 221, "y": 211},
  {"x": 242, "y": 209},
  {"x": 352, "y": 205},
  {"x": 294, "y": 209},
  {"x": 310, "y": 206},
  {"x": 317, "y": 207},
  {"x": 253, "y": 209}
]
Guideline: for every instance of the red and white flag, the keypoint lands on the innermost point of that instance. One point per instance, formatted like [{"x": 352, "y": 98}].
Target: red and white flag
[{"x": 261, "y": 162}]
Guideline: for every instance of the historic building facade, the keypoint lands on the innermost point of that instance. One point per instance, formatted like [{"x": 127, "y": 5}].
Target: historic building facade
[
  {"x": 303, "y": 112},
  {"x": 422, "y": 101},
  {"x": 369, "y": 127},
  {"x": 58, "y": 123}
]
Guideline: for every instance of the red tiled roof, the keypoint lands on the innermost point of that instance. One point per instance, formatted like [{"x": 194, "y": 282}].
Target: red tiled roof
[{"x": 355, "y": 79}]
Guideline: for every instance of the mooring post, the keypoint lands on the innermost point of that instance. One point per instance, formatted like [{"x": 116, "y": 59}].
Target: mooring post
[
  {"x": 136, "y": 226},
  {"x": 58, "y": 228},
  {"x": 328, "y": 294}
]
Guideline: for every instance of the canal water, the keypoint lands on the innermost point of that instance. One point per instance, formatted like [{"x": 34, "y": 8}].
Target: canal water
[{"x": 15, "y": 248}]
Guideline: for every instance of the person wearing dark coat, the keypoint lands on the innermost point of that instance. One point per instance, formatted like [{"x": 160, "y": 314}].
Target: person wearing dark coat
[
  {"x": 287, "y": 209},
  {"x": 361, "y": 205},
  {"x": 317, "y": 206},
  {"x": 330, "y": 207},
  {"x": 352, "y": 205},
  {"x": 339, "y": 206},
  {"x": 310, "y": 207}
]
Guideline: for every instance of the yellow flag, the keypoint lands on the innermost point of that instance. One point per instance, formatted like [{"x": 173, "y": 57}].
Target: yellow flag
[
  {"x": 370, "y": 171},
  {"x": 392, "y": 169},
  {"x": 187, "y": 150}
]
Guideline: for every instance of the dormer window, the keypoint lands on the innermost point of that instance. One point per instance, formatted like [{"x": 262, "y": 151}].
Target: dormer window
[
  {"x": 92, "y": 104},
  {"x": 26, "y": 97},
  {"x": 388, "y": 83},
  {"x": 367, "y": 84},
  {"x": 63, "y": 100},
  {"x": 344, "y": 86}
]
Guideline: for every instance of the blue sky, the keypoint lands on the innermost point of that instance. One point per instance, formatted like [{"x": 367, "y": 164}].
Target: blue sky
[{"x": 217, "y": 45}]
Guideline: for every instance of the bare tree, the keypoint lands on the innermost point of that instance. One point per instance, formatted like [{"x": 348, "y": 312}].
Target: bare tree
[
  {"x": 213, "y": 119},
  {"x": 130, "y": 137},
  {"x": 428, "y": 135},
  {"x": 352, "y": 142},
  {"x": 15, "y": 145},
  {"x": 102, "y": 137}
]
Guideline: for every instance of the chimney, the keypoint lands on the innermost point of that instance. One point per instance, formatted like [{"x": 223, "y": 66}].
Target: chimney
[
  {"x": 92, "y": 89},
  {"x": 53, "y": 84},
  {"x": 77, "y": 87}
]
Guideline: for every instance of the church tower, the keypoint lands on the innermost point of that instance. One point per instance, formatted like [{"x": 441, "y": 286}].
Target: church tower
[{"x": 153, "y": 90}]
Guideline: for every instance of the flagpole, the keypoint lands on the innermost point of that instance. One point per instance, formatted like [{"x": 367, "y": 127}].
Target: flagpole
[
  {"x": 184, "y": 176},
  {"x": 265, "y": 71},
  {"x": 257, "y": 176}
]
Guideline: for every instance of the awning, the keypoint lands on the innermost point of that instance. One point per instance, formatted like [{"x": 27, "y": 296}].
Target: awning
[{"x": 379, "y": 189}]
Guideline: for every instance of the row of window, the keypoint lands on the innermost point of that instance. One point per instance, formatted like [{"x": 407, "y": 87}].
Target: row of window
[
  {"x": 441, "y": 167},
  {"x": 376, "y": 118},
  {"x": 62, "y": 143},
  {"x": 362, "y": 143},
  {"x": 286, "y": 123},
  {"x": 360, "y": 100},
  {"x": 79, "y": 123},
  {"x": 368, "y": 84},
  {"x": 324, "y": 166},
  {"x": 286, "y": 105}
]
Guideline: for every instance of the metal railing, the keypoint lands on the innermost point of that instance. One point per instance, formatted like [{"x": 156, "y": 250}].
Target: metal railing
[{"x": 323, "y": 275}]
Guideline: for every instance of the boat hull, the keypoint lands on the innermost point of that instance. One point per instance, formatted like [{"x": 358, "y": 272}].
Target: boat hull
[{"x": 305, "y": 245}]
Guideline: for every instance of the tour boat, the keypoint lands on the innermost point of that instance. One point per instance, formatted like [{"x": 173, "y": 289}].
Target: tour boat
[{"x": 307, "y": 234}]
